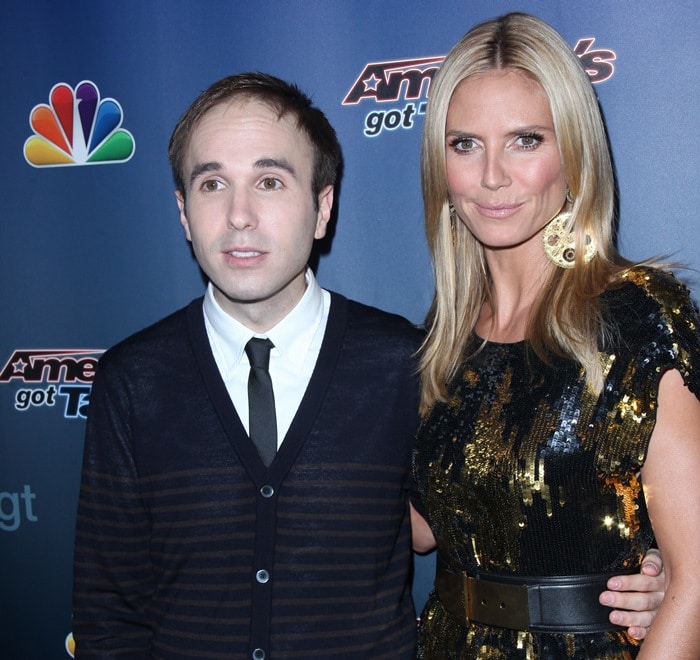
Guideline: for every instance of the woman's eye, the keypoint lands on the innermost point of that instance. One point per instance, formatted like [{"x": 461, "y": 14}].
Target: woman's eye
[
  {"x": 529, "y": 141},
  {"x": 463, "y": 144}
]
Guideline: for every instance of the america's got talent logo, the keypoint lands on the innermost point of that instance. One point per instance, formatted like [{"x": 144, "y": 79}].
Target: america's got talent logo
[
  {"x": 409, "y": 81},
  {"x": 65, "y": 376}
]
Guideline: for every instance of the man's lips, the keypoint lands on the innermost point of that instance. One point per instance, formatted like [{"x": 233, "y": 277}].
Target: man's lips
[
  {"x": 244, "y": 256},
  {"x": 244, "y": 253}
]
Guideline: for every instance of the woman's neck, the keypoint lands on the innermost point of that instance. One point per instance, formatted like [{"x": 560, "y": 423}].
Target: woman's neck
[{"x": 516, "y": 284}]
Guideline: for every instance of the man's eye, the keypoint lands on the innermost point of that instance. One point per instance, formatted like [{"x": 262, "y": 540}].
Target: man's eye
[
  {"x": 210, "y": 186},
  {"x": 270, "y": 183}
]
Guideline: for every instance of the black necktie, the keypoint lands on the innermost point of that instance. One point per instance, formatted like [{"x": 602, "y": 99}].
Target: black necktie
[{"x": 261, "y": 399}]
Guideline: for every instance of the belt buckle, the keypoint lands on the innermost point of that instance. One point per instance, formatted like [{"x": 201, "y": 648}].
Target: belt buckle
[{"x": 497, "y": 603}]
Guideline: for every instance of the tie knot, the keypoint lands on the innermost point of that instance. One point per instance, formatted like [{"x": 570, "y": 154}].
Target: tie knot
[{"x": 258, "y": 352}]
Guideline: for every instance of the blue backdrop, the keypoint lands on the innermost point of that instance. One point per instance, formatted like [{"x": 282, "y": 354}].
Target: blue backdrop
[{"x": 91, "y": 248}]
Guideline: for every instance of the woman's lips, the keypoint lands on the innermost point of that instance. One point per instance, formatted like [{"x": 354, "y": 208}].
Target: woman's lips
[{"x": 498, "y": 210}]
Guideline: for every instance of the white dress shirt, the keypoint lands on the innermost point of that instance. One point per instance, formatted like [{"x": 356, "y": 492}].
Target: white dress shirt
[{"x": 297, "y": 339}]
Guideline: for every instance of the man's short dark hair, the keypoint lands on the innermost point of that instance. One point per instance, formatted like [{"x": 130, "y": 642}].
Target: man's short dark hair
[{"x": 282, "y": 97}]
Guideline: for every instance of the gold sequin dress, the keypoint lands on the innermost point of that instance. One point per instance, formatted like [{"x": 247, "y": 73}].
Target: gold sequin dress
[{"x": 525, "y": 472}]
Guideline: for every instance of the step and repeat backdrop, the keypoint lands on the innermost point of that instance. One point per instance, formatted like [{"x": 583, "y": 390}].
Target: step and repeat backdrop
[{"x": 91, "y": 248}]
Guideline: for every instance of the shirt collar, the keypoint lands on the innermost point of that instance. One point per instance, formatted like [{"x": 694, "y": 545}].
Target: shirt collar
[{"x": 292, "y": 336}]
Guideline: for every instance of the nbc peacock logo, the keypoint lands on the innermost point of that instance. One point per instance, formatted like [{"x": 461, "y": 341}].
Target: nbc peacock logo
[{"x": 77, "y": 127}]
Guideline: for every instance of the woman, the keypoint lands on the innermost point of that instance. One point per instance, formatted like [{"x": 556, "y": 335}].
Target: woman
[{"x": 560, "y": 382}]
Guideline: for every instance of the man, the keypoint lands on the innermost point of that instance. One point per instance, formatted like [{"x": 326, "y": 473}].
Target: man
[{"x": 192, "y": 541}]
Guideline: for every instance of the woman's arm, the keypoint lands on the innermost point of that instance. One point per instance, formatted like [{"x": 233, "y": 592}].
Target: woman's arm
[
  {"x": 671, "y": 480},
  {"x": 423, "y": 539}
]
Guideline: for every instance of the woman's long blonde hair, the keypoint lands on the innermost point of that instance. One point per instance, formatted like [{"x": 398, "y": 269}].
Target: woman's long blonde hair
[{"x": 566, "y": 319}]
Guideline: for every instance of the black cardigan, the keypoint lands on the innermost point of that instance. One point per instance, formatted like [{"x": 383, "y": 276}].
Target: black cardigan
[{"x": 188, "y": 547}]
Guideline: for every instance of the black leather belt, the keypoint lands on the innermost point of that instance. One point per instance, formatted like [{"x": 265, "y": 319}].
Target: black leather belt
[{"x": 557, "y": 604}]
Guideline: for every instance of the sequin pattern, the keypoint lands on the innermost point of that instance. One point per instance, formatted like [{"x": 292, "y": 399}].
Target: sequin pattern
[{"x": 524, "y": 470}]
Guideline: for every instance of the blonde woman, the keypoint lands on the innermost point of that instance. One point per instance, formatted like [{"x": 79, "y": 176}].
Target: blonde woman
[{"x": 560, "y": 382}]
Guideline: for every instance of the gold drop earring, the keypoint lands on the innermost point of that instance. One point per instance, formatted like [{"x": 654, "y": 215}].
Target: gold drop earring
[{"x": 560, "y": 244}]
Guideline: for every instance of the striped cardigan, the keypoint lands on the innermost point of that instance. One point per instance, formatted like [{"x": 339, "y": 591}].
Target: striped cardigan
[{"x": 188, "y": 547}]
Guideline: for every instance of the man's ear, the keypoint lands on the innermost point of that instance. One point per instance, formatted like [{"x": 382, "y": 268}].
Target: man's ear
[
  {"x": 325, "y": 206},
  {"x": 183, "y": 215}
]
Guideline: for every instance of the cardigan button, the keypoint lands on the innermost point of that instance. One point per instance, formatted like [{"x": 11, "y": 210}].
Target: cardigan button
[
  {"x": 258, "y": 654},
  {"x": 262, "y": 576},
  {"x": 267, "y": 491}
]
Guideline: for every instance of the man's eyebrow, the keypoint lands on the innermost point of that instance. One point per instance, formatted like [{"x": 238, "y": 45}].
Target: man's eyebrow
[
  {"x": 275, "y": 163},
  {"x": 260, "y": 164},
  {"x": 203, "y": 168}
]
